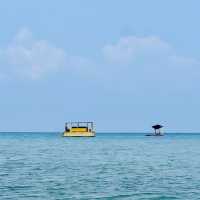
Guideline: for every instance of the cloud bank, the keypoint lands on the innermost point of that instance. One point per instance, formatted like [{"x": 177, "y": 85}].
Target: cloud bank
[
  {"x": 30, "y": 58},
  {"x": 129, "y": 62},
  {"x": 129, "y": 49},
  {"x": 149, "y": 63}
]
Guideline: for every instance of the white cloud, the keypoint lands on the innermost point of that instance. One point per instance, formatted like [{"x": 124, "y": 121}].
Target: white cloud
[
  {"x": 149, "y": 63},
  {"x": 131, "y": 61},
  {"x": 130, "y": 48},
  {"x": 24, "y": 37},
  {"x": 31, "y": 58}
]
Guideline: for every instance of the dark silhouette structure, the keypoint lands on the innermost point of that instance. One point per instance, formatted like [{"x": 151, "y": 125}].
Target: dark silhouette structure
[{"x": 157, "y": 130}]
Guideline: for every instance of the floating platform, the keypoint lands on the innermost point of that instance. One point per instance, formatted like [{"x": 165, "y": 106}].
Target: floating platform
[
  {"x": 154, "y": 135},
  {"x": 157, "y": 130},
  {"x": 79, "y": 129}
]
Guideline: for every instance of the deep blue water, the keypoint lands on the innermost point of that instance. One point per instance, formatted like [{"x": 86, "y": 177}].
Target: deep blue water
[{"x": 110, "y": 166}]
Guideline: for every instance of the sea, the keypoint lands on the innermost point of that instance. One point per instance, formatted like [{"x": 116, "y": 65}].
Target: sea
[{"x": 131, "y": 166}]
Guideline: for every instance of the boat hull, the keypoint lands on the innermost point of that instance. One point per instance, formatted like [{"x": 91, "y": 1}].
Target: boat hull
[{"x": 79, "y": 134}]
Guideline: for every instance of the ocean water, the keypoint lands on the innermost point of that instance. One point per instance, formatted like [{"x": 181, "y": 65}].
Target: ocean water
[{"x": 40, "y": 166}]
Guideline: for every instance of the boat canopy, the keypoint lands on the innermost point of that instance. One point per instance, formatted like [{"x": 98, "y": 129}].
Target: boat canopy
[{"x": 89, "y": 125}]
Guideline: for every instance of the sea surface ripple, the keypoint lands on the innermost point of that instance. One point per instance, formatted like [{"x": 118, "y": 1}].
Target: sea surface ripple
[{"x": 118, "y": 166}]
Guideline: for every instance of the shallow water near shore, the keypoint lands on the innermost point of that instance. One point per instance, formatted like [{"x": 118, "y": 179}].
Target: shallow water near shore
[{"x": 110, "y": 166}]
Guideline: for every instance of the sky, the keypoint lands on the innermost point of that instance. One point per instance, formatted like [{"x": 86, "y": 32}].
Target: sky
[{"x": 125, "y": 64}]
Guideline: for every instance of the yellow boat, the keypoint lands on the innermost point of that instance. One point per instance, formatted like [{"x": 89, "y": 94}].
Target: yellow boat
[{"x": 79, "y": 129}]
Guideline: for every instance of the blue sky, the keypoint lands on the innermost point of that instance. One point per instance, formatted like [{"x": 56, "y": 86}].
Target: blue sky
[{"x": 123, "y": 64}]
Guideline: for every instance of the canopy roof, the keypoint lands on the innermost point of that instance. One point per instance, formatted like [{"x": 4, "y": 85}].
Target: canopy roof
[
  {"x": 79, "y": 124},
  {"x": 157, "y": 126}
]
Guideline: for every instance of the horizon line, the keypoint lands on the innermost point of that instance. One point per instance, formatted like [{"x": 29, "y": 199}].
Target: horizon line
[{"x": 134, "y": 132}]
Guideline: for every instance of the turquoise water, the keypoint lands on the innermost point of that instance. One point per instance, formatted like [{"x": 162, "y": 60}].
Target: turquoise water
[{"x": 110, "y": 166}]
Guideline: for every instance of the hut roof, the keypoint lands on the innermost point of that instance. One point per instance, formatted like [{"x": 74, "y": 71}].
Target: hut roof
[{"x": 157, "y": 126}]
